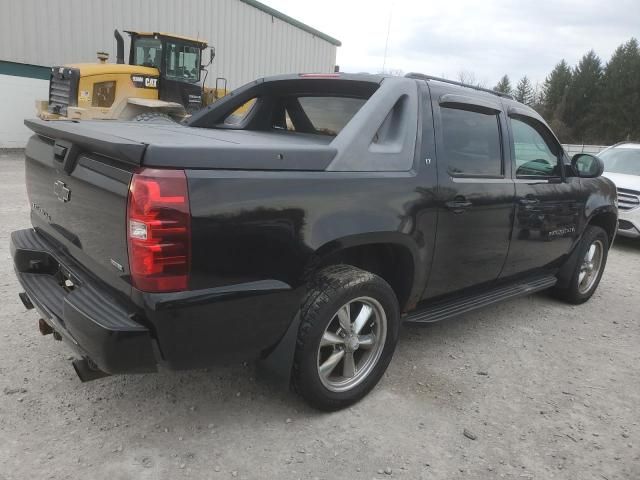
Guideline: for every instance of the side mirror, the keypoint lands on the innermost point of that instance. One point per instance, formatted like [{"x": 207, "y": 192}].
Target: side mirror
[
  {"x": 587, "y": 166},
  {"x": 212, "y": 55}
]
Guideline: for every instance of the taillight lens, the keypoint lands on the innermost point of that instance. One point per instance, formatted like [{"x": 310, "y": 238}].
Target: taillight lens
[{"x": 159, "y": 230}]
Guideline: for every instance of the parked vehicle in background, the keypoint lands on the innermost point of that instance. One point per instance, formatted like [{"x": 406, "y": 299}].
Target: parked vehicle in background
[
  {"x": 299, "y": 220},
  {"x": 622, "y": 166}
]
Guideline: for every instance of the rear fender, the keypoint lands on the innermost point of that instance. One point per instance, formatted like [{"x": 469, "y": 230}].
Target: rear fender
[
  {"x": 395, "y": 239},
  {"x": 279, "y": 361}
]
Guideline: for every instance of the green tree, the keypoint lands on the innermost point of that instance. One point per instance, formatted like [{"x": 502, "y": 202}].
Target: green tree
[
  {"x": 555, "y": 87},
  {"x": 620, "y": 108},
  {"x": 592, "y": 104},
  {"x": 504, "y": 86},
  {"x": 538, "y": 97},
  {"x": 584, "y": 98},
  {"x": 554, "y": 99},
  {"x": 525, "y": 92}
]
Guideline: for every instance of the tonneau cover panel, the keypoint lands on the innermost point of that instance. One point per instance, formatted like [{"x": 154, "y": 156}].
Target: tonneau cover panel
[{"x": 179, "y": 146}]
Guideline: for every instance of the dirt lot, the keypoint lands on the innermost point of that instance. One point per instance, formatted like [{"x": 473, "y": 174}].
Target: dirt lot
[{"x": 548, "y": 390}]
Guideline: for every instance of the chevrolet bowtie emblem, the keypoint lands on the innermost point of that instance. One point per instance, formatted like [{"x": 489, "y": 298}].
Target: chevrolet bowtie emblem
[{"x": 62, "y": 191}]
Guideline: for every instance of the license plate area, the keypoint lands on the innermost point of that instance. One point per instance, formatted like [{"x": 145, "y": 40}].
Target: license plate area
[{"x": 42, "y": 263}]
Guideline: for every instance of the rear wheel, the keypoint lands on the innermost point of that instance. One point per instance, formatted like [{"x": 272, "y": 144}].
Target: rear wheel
[
  {"x": 348, "y": 332},
  {"x": 592, "y": 258},
  {"x": 154, "y": 117}
]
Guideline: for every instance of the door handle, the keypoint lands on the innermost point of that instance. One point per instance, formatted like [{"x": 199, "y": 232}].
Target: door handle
[
  {"x": 529, "y": 201},
  {"x": 458, "y": 205}
]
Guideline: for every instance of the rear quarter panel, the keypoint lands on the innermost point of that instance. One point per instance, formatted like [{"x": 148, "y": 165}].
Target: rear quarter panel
[
  {"x": 250, "y": 226},
  {"x": 257, "y": 234}
]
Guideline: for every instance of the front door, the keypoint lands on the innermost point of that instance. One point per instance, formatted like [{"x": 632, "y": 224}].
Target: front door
[
  {"x": 180, "y": 74},
  {"x": 548, "y": 202},
  {"x": 475, "y": 194}
]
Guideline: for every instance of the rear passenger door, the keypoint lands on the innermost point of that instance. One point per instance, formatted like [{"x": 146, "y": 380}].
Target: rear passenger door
[
  {"x": 475, "y": 192},
  {"x": 548, "y": 201}
]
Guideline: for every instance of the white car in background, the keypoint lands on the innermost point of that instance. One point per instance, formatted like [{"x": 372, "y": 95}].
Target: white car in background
[{"x": 622, "y": 166}]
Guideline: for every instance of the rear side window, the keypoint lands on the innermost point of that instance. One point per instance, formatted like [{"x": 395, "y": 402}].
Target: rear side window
[
  {"x": 240, "y": 113},
  {"x": 329, "y": 115},
  {"x": 471, "y": 142}
]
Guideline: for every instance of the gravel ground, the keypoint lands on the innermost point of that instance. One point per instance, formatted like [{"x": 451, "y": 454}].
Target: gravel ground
[{"x": 542, "y": 389}]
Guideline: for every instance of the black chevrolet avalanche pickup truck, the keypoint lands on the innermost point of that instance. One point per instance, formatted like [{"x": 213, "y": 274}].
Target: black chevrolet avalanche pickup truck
[{"x": 298, "y": 222}]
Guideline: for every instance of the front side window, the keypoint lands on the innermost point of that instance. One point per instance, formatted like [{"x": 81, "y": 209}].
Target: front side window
[
  {"x": 147, "y": 52},
  {"x": 182, "y": 62},
  {"x": 534, "y": 155},
  {"x": 471, "y": 142}
]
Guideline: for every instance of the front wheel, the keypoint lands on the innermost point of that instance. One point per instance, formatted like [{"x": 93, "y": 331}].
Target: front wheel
[
  {"x": 348, "y": 333},
  {"x": 592, "y": 258}
]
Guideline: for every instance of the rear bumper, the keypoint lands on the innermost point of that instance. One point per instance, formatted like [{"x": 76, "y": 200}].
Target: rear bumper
[
  {"x": 181, "y": 330},
  {"x": 97, "y": 325}
]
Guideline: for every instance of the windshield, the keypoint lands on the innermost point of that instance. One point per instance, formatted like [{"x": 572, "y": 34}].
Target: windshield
[
  {"x": 147, "y": 52},
  {"x": 621, "y": 160}
]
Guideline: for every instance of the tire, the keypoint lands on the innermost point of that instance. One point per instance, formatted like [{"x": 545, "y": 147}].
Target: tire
[
  {"x": 370, "y": 343},
  {"x": 154, "y": 117},
  {"x": 581, "y": 288}
]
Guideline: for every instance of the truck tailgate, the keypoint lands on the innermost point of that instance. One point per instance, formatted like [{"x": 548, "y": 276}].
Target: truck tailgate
[{"x": 77, "y": 182}]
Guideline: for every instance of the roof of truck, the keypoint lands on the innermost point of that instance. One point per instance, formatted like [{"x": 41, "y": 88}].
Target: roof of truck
[
  {"x": 203, "y": 43},
  {"x": 274, "y": 14}
]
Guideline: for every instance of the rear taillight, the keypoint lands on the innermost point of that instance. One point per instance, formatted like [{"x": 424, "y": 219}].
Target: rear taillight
[{"x": 159, "y": 230}]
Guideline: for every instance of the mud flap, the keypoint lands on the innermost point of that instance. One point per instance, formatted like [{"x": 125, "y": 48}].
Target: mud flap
[
  {"x": 566, "y": 271},
  {"x": 278, "y": 363}
]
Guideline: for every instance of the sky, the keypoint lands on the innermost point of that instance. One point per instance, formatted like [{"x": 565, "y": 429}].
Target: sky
[{"x": 484, "y": 39}]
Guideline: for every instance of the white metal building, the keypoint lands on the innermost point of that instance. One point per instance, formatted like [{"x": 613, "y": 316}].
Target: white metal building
[{"x": 250, "y": 38}]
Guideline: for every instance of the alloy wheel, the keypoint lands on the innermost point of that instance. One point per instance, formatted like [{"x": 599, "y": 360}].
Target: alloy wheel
[
  {"x": 590, "y": 266},
  {"x": 352, "y": 344}
]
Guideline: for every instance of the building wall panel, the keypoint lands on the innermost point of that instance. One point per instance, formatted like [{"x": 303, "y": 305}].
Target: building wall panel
[{"x": 249, "y": 42}]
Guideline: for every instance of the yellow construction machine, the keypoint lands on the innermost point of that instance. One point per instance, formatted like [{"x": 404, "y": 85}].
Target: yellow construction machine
[{"x": 163, "y": 80}]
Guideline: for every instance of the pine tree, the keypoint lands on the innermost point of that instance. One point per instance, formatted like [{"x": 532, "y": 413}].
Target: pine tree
[
  {"x": 524, "y": 92},
  {"x": 621, "y": 94},
  {"x": 554, "y": 102},
  {"x": 555, "y": 88},
  {"x": 589, "y": 103},
  {"x": 504, "y": 86},
  {"x": 584, "y": 98}
]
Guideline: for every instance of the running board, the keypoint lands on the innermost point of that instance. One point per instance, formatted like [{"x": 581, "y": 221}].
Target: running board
[{"x": 451, "y": 308}]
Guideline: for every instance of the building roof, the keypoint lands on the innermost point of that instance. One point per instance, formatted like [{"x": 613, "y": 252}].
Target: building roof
[
  {"x": 164, "y": 34},
  {"x": 292, "y": 21}
]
